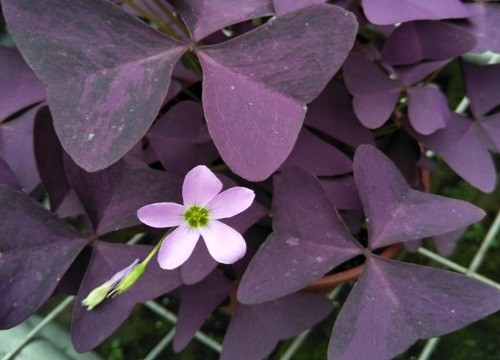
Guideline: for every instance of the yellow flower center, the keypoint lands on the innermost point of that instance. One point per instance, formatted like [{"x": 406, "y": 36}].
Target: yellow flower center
[{"x": 197, "y": 216}]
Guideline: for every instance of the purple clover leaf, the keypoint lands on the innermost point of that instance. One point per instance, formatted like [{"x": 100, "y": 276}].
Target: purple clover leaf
[
  {"x": 394, "y": 304},
  {"x": 107, "y": 73},
  {"x": 308, "y": 240},
  {"x": 387, "y": 12},
  {"x": 256, "y": 86},
  {"x": 396, "y": 213},
  {"x": 36, "y": 251},
  {"x": 204, "y": 205},
  {"x": 205, "y": 17}
]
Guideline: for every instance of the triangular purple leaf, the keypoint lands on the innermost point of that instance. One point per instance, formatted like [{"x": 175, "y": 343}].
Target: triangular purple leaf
[
  {"x": 491, "y": 126},
  {"x": 107, "y": 78},
  {"x": 309, "y": 239},
  {"x": 90, "y": 328},
  {"x": 195, "y": 309},
  {"x": 256, "y": 329},
  {"x": 7, "y": 176},
  {"x": 394, "y": 304},
  {"x": 485, "y": 24},
  {"x": 386, "y": 12},
  {"x": 426, "y": 40},
  {"x": 49, "y": 159},
  {"x": 16, "y": 148},
  {"x": 396, "y": 213},
  {"x": 178, "y": 136},
  {"x": 482, "y": 84},
  {"x": 256, "y": 86},
  {"x": 342, "y": 192},
  {"x": 331, "y": 112},
  {"x": 317, "y": 156},
  {"x": 112, "y": 196},
  {"x": 282, "y": 7},
  {"x": 37, "y": 249},
  {"x": 463, "y": 148},
  {"x": 410, "y": 74},
  {"x": 427, "y": 109},
  {"x": 205, "y": 17},
  {"x": 375, "y": 94},
  {"x": 19, "y": 87}
]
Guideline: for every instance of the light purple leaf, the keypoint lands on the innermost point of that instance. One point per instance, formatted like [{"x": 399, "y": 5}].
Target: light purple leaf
[
  {"x": 410, "y": 74},
  {"x": 446, "y": 243},
  {"x": 255, "y": 86},
  {"x": 342, "y": 192},
  {"x": 427, "y": 109},
  {"x": 7, "y": 176},
  {"x": 482, "y": 85},
  {"x": 112, "y": 196},
  {"x": 309, "y": 239},
  {"x": 206, "y": 17},
  {"x": 331, "y": 112},
  {"x": 317, "y": 156},
  {"x": 375, "y": 94},
  {"x": 178, "y": 138},
  {"x": 256, "y": 329},
  {"x": 485, "y": 24},
  {"x": 282, "y": 7},
  {"x": 37, "y": 249},
  {"x": 19, "y": 87},
  {"x": 90, "y": 328},
  {"x": 396, "y": 213},
  {"x": 49, "y": 159},
  {"x": 108, "y": 73},
  {"x": 16, "y": 148},
  {"x": 386, "y": 12},
  {"x": 463, "y": 148},
  {"x": 394, "y": 304},
  {"x": 491, "y": 127},
  {"x": 426, "y": 40},
  {"x": 195, "y": 309}
]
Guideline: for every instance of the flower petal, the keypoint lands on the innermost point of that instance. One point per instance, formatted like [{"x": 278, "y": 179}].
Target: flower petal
[
  {"x": 225, "y": 244},
  {"x": 200, "y": 186},
  {"x": 230, "y": 202},
  {"x": 161, "y": 215},
  {"x": 177, "y": 247}
]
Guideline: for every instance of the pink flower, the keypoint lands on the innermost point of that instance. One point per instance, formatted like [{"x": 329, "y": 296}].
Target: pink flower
[{"x": 203, "y": 205}]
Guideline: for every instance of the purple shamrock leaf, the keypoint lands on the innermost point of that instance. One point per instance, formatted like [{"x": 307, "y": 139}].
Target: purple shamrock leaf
[
  {"x": 180, "y": 139},
  {"x": 332, "y": 113},
  {"x": 317, "y": 156},
  {"x": 16, "y": 148},
  {"x": 37, "y": 249},
  {"x": 195, "y": 309},
  {"x": 205, "y": 17},
  {"x": 375, "y": 94},
  {"x": 49, "y": 159},
  {"x": 90, "y": 327},
  {"x": 7, "y": 176},
  {"x": 462, "y": 146},
  {"x": 112, "y": 196},
  {"x": 485, "y": 24},
  {"x": 19, "y": 87},
  {"x": 282, "y": 7},
  {"x": 256, "y": 85},
  {"x": 426, "y": 40},
  {"x": 107, "y": 73},
  {"x": 203, "y": 206},
  {"x": 410, "y": 74},
  {"x": 255, "y": 330},
  {"x": 309, "y": 239},
  {"x": 386, "y": 12},
  {"x": 427, "y": 109},
  {"x": 342, "y": 192},
  {"x": 394, "y": 304},
  {"x": 396, "y": 213},
  {"x": 482, "y": 84}
]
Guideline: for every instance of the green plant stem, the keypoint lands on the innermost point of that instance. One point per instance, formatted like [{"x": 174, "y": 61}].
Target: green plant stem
[{"x": 146, "y": 261}]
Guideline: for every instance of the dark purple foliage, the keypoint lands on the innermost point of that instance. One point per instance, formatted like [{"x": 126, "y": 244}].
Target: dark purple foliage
[{"x": 251, "y": 89}]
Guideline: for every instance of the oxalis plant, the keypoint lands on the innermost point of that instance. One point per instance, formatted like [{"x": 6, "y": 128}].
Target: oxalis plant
[{"x": 252, "y": 147}]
